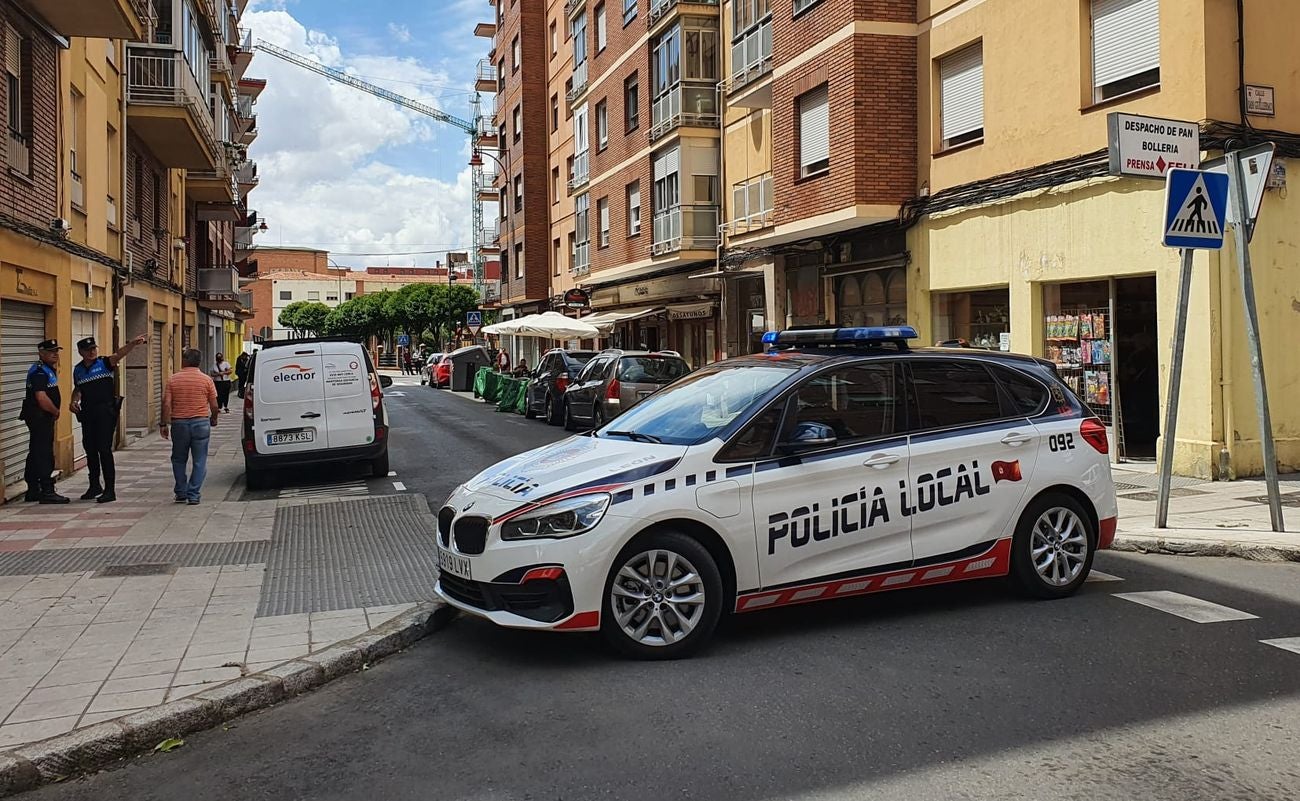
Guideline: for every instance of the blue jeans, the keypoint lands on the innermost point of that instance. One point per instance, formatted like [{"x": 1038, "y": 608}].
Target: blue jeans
[{"x": 190, "y": 440}]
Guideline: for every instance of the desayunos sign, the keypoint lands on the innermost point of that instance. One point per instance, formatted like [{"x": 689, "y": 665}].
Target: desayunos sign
[{"x": 1148, "y": 147}]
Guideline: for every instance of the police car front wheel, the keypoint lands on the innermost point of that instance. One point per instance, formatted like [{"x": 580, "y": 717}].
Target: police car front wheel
[
  {"x": 663, "y": 597},
  {"x": 1053, "y": 547}
]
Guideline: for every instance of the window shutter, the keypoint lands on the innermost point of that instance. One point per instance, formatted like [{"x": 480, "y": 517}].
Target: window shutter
[
  {"x": 13, "y": 52},
  {"x": 814, "y": 127},
  {"x": 961, "y": 92},
  {"x": 1125, "y": 39}
]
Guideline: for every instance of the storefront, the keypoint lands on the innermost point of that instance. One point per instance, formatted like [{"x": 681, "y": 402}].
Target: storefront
[
  {"x": 980, "y": 319},
  {"x": 670, "y": 312},
  {"x": 855, "y": 280}
]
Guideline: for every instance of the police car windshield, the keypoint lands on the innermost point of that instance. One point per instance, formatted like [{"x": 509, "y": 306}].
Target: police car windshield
[{"x": 698, "y": 406}]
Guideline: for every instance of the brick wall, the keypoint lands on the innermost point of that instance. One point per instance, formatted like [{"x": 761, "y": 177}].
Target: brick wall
[
  {"x": 32, "y": 198},
  {"x": 143, "y": 241},
  {"x": 270, "y": 260},
  {"x": 792, "y": 35}
]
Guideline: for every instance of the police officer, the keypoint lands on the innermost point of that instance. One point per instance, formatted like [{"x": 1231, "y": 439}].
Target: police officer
[
  {"x": 94, "y": 401},
  {"x": 40, "y": 411}
]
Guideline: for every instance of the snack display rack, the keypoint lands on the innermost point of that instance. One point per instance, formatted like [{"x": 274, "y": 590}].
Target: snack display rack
[{"x": 1081, "y": 345}]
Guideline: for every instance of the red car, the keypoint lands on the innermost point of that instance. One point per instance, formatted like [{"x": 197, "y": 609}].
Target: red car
[{"x": 440, "y": 373}]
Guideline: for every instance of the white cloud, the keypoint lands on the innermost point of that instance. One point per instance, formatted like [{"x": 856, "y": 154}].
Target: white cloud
[
  {"x": 322, "y": 148},
  {"x": 399, "y": 32}
]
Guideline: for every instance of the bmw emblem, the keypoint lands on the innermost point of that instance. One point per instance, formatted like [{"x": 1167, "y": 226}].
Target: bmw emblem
[{"x": 467, "y": 506}]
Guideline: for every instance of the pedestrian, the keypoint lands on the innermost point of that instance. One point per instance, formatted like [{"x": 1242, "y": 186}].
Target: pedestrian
[
  {"x": 40, "y": 411},
  {"x": 522, "y": 369},
  {"x": 189, "y": 411},
  {"x": 408, "y": 363},
  {"x": 503, "y": 361},
  {"x": 221, "y": 372},
  {"x": 96, "y": 405},
  {"x": 242, "y": 363}
]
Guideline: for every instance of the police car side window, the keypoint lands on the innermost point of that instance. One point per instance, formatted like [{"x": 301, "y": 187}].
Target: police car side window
[
  {"x": 858, "y": 402},
  {"x": 1024, "y": 395},
  {"x": 954, "y": 393},
  {"x": 755, "y": 440}
]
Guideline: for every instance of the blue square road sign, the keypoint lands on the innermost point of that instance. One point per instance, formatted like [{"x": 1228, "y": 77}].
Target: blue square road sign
[{"x": 1196, "y": 206}]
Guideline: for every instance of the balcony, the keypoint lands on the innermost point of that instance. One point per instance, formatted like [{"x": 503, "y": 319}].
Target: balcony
[
  {"x": 19, "y": 153},
  {"x": 684, "y": 105},
  {"x": 751, "y": 206},
  {"x": 751, "y": 61},
  {"x": 219, "y": 289},
  {"x": 574, "y": 6},
  {"x": 105, "y": 19},
  {"x": 485, "y": 78},
  {"x": 167, "y": 109},
  {"x": 246, "y": 177},
  {"x": 488, "y": 136},
  {"x": 685, "y": 227},
  {"x": 581, "y": 171},
  {"x": 581, "y": 258},
  {"x": 662, "y": 10},
  {"x": 243, "y": 52},
  {"x": 579, "y": 83},
  {"x": 485, "y": 29},
  {"x": 487, "y": 186},
  {"x": 220, "y": 67},
  {"x": 245, "y": 114}
]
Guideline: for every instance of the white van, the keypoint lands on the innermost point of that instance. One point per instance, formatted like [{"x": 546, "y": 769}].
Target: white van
[{"x": 313, "y": 401}]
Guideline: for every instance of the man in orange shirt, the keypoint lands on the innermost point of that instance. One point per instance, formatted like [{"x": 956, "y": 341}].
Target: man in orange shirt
[{"x": 189, "y": 411}]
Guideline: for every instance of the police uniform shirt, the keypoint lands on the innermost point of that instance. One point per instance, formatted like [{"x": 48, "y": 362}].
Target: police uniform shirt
[
  {"x": 40, "y": 378},
  {"x": 95, "y": 383}
]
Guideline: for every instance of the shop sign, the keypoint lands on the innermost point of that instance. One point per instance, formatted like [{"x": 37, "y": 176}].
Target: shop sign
[
  {"x": 1259, "y": 100},
  {"x": 26, "y": 285},
  {"x": 1004, "y": 341},
  {"x": 1148, "y": 147},
  {"x": 577, "y": 298},
  {"x": 698, "y": 311}
]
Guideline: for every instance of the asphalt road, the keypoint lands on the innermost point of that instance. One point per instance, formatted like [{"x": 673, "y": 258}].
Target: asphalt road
[{"x": 953, "y": 692}]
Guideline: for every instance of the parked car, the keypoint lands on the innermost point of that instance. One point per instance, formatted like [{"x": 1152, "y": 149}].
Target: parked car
[
  {"x": 545, "y": 393},
  {"x": 615, "y": 381},
  {"x": 313, "y": 401},
  {"x": 426, "y": 369}
]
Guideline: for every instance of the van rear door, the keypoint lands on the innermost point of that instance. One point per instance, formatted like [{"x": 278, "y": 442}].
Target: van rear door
[
  {"x": 289, "y": 400},
  {"x": 348, "y": 405}
]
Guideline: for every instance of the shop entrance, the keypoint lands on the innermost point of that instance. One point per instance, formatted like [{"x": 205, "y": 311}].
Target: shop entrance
[{"x": 1102, "y": 337}]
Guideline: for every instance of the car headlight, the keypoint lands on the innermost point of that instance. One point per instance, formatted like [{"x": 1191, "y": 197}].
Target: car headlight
[{"x": 560, "y": 519}]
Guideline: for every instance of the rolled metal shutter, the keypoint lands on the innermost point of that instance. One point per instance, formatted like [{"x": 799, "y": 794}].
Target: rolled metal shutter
[
  {"x": 961, "y": 92},
  {"x": 22, "y": 328},
  {"x": 814, "y": 127},
  {"x": 156, "y": 348},
  {"x": 84, "y": 324},
  {"x": 1125, "y": 39}
]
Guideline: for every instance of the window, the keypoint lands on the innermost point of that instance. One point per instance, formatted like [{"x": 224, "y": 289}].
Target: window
[
  {"x": 814, "y": 132},
  {"x": 581, "y": 145},
  {"x": 555, "y": 256},
  {"x": 582, "y": 233},
  {"x": 555, "y": 113},
  {"x": 555, "y": 184},
  {"x": 602, "y": 216},
  {"x": 1125, "y": 47},
  {"x": 629, "y": 12},
  {"x": 600, "y": 27},
  {"x": 518, "y": 118},
  {"x": 858, "y": 403},
  {"x": 286, "y": 294},
  {"x": 505, "y": 265},
  {"x": 573, "y": 253},
  {"x": 602, "y": 125},
  {"x": 1024, "y": 395},
  {"x": 514, "y": 55},
  {"x": 961, "y": 97},
  {"x": 18, "y": 85},
  {"x": 157, "y": 205},
  {"x": 313, "y": 295},
  {"x": 751, "y": 43},
  {"x": 519, "y": 193},
  {"x": 331, "y": 297},
  {"x": 568, "y": 166},
  {"x": 634, "y": 208},
  {"x": 349, "y": 295},
  {"x": 953, "y": 393},
  {"x": 519, "y": 260},
  {"x": 631, "y": 103},
  {"x": 76, "y": 146},
  {"x": 755, "y": 441},
  {"x": 555, "y": 40},
  {"x": 803, "y": 5}
]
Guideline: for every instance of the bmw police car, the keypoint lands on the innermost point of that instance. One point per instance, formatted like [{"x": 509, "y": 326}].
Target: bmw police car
[{"x": 840, "y": 462}]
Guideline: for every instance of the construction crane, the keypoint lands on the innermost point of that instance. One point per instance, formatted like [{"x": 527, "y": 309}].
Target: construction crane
[{"x": 475, "y": 128}]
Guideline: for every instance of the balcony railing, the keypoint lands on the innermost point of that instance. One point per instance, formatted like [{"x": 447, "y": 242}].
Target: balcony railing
[
  {"x": 162, "y": 77},
  {"x": 579, "y": 82},
  {"x": 581, "y": 258},
  {"x": 581, "y": 170},
  {"x": 20, "y": 153},
  {"x": 684, "y": 104},
  {"x": 78, "y": 191},
  {"x": 219, "y": 282},
  {"x": 572, "y": 6},
  {"x": 246, "y": 174},
  {"x": 660, "y": 9},
  {"x": 685, "y": 227},
  {"x": 751, "y": 56},
  {"x": 752, "y": 205},
  {"x": 486, "y": 73}
]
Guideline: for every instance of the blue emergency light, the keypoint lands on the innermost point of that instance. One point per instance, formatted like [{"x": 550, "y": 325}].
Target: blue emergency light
[{"x": 841, "y": 336}]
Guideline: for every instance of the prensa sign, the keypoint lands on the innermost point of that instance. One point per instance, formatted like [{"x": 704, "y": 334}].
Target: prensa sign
[{"x": 1148, "y": 147}]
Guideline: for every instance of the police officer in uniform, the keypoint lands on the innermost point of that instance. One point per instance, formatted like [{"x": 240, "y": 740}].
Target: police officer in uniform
[
  {"x": 40, "y": 411},
  {"x": 94, "y": 401}
]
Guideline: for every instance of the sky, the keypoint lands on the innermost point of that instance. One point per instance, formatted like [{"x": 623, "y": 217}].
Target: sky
[{"x": 347, "y": 172}]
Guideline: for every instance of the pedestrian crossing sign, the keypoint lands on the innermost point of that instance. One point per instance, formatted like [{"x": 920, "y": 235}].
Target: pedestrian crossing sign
[{"x": 1196, "y": 204}]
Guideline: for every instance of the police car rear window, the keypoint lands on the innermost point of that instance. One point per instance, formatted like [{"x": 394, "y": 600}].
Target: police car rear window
[
  {"x": 1027, "y": 395},
  {"x": 953, "y": 393}
]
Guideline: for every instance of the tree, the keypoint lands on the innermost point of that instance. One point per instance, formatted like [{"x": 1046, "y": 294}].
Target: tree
[{"x": 304, "y": 317}]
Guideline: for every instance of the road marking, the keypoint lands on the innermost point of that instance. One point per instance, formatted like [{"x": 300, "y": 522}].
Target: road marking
[
  {"x": 392, "y": 473},
  {"x": 1097, "y": 575},
  {"x": 1185, "y": 606},
  {"x": 399, "y": 486},
  {"x": 326, "y": 490},
  {"x": 1291, "y": 644}
]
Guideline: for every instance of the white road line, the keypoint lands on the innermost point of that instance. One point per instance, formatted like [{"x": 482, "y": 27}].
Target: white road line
[
  {"x": 399, "y": 486},
  {"x": 1185, "y": 606},
  {"x": 1291, "y": 644},
  {"x": 392, "y": 473},
  {"x": 1097, "y": 575}
]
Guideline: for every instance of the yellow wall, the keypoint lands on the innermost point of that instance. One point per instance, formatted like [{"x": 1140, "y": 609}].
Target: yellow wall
[
  {"x": 748, "y": 150},
  {"x": 88, "y": 71}
]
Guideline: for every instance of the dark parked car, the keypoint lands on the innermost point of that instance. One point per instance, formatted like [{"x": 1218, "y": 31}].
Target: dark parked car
[
  {"x": 615, "y": 381},
  {"x": 545, "y": 394}
]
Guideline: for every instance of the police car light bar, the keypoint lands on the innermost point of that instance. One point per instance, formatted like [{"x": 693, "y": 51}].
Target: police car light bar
[{"x": 841, "y": 336}]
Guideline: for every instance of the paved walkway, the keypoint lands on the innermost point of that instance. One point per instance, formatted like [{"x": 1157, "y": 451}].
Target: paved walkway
[{"x": 106, "y": 609}]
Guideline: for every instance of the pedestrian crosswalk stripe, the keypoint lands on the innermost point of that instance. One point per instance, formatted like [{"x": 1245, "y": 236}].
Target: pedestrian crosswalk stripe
[
  {"x": 1185, "y": 606},
  {"x": 1097, "y": 575},
  {"x": 1291, "y": 644}
]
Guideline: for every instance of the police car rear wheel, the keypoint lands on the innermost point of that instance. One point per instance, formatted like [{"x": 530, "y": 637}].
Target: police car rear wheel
[
  {"x": 1053, "y": 547},
  {"x": 663, "y": 598}
]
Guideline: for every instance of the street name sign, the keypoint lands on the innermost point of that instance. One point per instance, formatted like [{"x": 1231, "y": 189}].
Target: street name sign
[
  {"x": 1195, "y": 209},
  {"x": 1148, "y": 147}
]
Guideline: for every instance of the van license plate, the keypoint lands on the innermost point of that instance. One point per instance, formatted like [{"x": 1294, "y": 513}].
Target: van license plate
[
  {"x": 454, "y": 564},
  {"x": 290, "y": 437}
]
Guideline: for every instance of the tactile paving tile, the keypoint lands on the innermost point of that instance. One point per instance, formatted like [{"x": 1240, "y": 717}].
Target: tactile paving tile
[
  {"x": 1285, "y": 498},
  {"x": 77, "y": 560},
  {"x": 349, "y": 554}
]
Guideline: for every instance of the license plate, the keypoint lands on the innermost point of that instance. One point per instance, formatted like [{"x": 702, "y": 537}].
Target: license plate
[
  {"x": 642, "y": 394},
  {"x": 454, "y": 564},
  {"x": 290, "y": 437}
]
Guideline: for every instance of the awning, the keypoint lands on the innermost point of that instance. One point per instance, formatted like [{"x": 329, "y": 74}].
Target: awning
[
  {"x": 691, "y": 311},
  {"x": 744, "y": 272},
  {"x": 605, "y": 321}
]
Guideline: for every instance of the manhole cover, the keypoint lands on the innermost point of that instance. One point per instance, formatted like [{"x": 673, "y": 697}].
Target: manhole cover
[
  {"x": 1149, "y": 495},
  {"x": 1122, "y": 487},
  {"x": 122, "y": 571},
  {"x": 1286, "y": 499}
]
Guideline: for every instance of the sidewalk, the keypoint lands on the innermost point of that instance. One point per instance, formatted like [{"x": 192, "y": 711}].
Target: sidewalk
[
  {"x": 1221, "y": 518},
  {"x": 110, "y": 609}
]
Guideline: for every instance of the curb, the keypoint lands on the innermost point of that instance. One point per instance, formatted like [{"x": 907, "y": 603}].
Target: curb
[
  {"x": 100, "y": 745},
  {"x": 1255, "y": 552}
]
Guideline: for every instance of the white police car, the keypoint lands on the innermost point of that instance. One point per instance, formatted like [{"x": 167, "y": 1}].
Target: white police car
[{"x": 839, "y": 463}]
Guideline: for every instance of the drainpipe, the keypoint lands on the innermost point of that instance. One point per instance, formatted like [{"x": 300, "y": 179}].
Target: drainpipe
[
  {"x": 118, "y": 280},
  {"x": 723, "y": 287}
]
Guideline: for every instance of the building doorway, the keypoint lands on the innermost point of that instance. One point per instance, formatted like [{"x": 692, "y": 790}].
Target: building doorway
[{"x": 1137, "y": 369}]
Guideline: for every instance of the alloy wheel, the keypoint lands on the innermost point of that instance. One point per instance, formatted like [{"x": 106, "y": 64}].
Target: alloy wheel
[
  {"x": 658, "y": 597},
  {"x": 1058, "y": 546}
]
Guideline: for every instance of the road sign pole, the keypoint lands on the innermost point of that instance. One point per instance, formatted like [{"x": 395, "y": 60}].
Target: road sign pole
[
  {"x": 1175, "y": 383},
  {"x": 1241, "y": 203}
]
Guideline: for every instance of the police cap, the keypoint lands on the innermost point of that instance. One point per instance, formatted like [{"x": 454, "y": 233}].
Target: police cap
[
  {"x": 49, "y": 344},
  {"x": 87, "y": 344}
]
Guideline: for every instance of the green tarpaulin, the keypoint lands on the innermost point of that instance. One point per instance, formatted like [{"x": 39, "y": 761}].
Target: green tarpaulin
[
  {"x": 511, "y": 398},
  {"x": 480, "y": 380}
]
